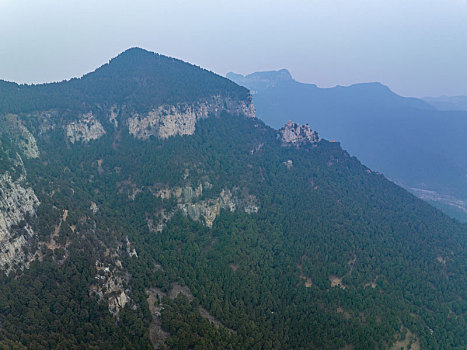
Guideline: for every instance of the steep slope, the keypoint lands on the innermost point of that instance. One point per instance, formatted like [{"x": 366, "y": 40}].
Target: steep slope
[
  {"x": 412, "y": 143},
  {"x": 232, "y": 235}
]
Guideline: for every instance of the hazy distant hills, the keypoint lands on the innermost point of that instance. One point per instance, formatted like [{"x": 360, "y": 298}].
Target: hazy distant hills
[
  {"x": 359, "y": 97},
  {"x": 410, "y": 141},
  {"x": 448, "y": 103}
]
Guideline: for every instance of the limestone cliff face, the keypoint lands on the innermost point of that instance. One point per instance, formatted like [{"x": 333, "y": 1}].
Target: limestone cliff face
[
  {"x": 180, "y": 119},
  {"x": 111, "y": 283},
  {"x": 15, "y": 129},
  {"x": 109, "y": 286},
  {"x": 17, "y": 202},
  {"x": 293, "y": 134},
  {"x": 210, "y": 209},
  {"x": 85, "y": 129},
  {"x": 207, "y": 209},
  {"x": 28, "y": 145}
]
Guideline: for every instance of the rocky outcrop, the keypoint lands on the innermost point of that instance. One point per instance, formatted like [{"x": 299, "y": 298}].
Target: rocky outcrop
[
  {"x": 118, "y": 302},
  {"x": 180, "y": 119},
  {"x": 293, "y": 134},
  {"x": 206, "y": 209},
  {"x": 17, "y": 203},
  {"x": 131, "y": 251},
  {"x": 209, "y": 209},
  {"x": 288, "y": 164},
  {"x": 183, "y": 194},
  {"x": 109, "y": 285},
  {"x": 85, "y": 129},
  {"x": 94, "y": 208},
  {"x": 113, "y": 115},
  {"x": 112, "y": 281},
  {"x": 14, "y": 127},
  {"x": 162, "y": 218}
]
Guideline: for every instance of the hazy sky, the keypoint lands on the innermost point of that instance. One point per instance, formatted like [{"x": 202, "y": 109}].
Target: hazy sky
[{"x": 417, "y": 47}]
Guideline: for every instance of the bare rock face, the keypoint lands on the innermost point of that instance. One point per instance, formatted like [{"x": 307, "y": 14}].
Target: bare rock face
[
  {"x": 210, "y": 209},
  {"x": 14, "y": 127},
  {"x": 180, "y": 119},
  {"x": 131, "y": 251},
  {"x": 293, "y": 134},
  {"x": 113, "y": 116},
  {"x": 288, "y": 164},
  {"x": 165, "y": 121},
  {"x": 17, "y": 202},
  {"x": 109, "y": 285},
  {"x": 85, "y": 129},
  {"x": 207, "y": 209},
  {"x": 94, "y": 208},
  {"x": 118, "y": 302}
]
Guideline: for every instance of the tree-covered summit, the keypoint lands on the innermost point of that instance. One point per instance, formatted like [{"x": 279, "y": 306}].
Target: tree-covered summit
[{"x": 136, "y": 77}]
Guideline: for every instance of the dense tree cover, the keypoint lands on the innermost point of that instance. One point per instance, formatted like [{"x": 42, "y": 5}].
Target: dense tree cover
[
  {"x": 136, "y": 78},
  {"x": 6, "y": 161},
  {"x": 49, "y": 307},
  {"x": 326, "y": 216}
]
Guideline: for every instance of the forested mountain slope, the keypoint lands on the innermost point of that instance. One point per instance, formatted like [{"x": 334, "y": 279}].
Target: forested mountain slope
[
  {"x": 411, "y": 142},
  {"x": 189, "y": 223}
]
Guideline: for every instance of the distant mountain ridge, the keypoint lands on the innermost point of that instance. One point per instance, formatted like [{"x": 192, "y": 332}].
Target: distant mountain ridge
[
  {"x": 261, "y": 80},
  {"x": 448, "y": 103},
  {"x": 407, "y": 139},
  {"x": 363, "y": 95}
]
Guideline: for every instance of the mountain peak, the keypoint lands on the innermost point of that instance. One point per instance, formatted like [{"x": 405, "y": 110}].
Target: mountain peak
[
  {"x": 137, "y": 56},
  {"x": 369, "y": 86},
  {"x": 136, "y": 51},
  {"x": 261, "y": 80},
  {"x": 272, "y": 76},
  {"x": 136, "y": 77}
]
